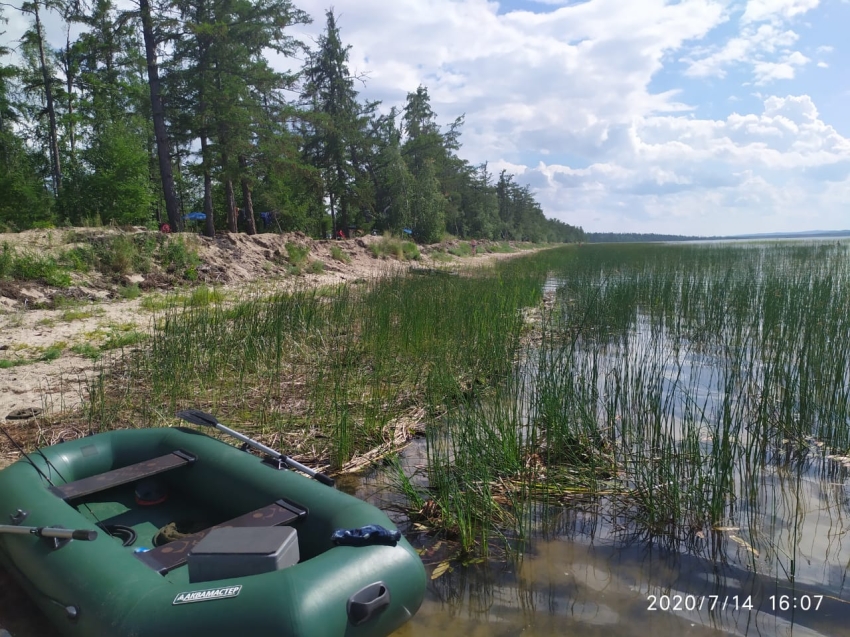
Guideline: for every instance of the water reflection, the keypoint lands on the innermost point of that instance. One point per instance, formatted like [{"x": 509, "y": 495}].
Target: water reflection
[{"x": 569, "y": 587}]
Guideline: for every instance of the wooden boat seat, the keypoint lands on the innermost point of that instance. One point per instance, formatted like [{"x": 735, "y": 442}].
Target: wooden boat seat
[
  {"x": 169, "y": 556},
  {"x": 117, "y": 477}
]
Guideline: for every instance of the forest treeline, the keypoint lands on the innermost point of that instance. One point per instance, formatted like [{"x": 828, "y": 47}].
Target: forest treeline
[
  {"x": 636, "y": 237},
  {"x": 173, "y": 107}
]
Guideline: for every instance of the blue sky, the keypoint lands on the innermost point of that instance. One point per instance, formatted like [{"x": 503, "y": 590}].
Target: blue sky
[{"x": 686, "y": 117}]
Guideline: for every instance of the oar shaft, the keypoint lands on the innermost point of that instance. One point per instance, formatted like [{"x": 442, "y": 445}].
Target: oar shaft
[
  {"x": 248, "y": 441},
  {"x": 274, "y": 454},
  {"x": 197, "y": 417},
  {"x": 44, "y": 531}
]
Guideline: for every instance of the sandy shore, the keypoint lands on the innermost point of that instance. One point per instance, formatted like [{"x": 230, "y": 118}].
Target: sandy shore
[{"x": 242, "y": 266}]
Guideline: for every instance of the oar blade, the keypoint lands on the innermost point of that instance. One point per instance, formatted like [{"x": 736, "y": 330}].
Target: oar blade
[
  {"x": 198, "y": 417},
  {"x": 321, "y": 477}
]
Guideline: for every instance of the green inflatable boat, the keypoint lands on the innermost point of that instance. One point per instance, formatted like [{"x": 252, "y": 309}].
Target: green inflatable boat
[{"x": 169, "y": 532}]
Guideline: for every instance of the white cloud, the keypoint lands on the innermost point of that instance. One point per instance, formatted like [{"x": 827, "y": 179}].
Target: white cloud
[
  {"x": 763, "y": 43},
  {"x": 749, "y": 45},
  {"x": 766, "y": 72},
  {"x": 776, "y": 10},
  {"x": 761, "y": 172}
]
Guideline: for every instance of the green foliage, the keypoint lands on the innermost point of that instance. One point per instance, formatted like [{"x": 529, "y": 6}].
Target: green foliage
[
  {"x": 86, "y": 350},
  {"x": 129, "y": 292},
  {"x": 80, "y": 258},
  {"x": 327, "y": 161},
  {"x": 317, "y": 266},
  {"x": 296, "y": 254},
  {"x": 410, "y": 251},
  {"x": 427, "y": 208},
  {"x": 24, "y": 200},
  {"x": 338, "y": 255},
  {"x": 176, "y": 256},
  {"x": 112, "y": 182},
  {"x": 52, "y": 352},
  {"x": 203, "y": 296},
  {"x": 31, "y": 267},
  {"x": 121, "y": 255},
  {"x": 461, "y": 249},
  {"x": 7, "y": 363},
  {"x": 76, "y": 315},
  {"x": 125, "y": 339}
]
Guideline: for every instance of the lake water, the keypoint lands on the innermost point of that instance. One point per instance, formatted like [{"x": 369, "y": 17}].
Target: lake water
[{"x": 583, "y": 576}]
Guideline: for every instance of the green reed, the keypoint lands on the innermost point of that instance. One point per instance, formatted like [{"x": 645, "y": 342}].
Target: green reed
[
  {"x": 329, "y": 371},
  {"x": 665, "y": 377}
]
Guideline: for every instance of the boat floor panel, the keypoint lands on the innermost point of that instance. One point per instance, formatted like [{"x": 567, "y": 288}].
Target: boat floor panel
[{"x": 169, "y": 556}]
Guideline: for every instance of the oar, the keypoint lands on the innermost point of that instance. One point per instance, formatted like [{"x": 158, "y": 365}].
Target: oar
[
  {"x": 197, "y": 417},
  {"x": 45, "y": 531}
]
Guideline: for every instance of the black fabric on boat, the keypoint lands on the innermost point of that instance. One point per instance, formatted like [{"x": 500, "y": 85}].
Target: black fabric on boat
[
  {"x": 117, "y": 477},
  {"x": 169, "y": 556}
]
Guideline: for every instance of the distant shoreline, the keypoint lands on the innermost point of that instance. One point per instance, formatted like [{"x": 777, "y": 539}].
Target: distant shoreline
[{"x": 629, "y": 237}]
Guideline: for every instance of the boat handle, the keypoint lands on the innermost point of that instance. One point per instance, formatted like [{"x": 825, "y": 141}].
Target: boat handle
[{"x": 368, "y": 602}]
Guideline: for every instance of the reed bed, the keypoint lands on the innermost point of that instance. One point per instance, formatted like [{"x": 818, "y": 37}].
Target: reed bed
[
  {"x": 664, "y": 385},
  {"x": 328, "y": 374},
  {"x": 677, "y": 390}
]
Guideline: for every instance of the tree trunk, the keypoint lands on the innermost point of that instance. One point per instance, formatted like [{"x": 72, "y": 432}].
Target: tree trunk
[
  {"x": 209, "y": 222},
  {"x": 69, "y": 79},
  {"x": 232, "y": 220},
  {"x": 247, "y": 200},
  {"x": 158, "y": 113},
  {"x": 333, "y": 216},
  {"x": 51, "y": 110}
]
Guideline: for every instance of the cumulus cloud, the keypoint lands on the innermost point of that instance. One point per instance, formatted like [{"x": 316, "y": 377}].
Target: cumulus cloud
[
  {"x": 763, "y": 43},
  {"x": 759, "y": 171},
  {"x": 776, "y": 10}
]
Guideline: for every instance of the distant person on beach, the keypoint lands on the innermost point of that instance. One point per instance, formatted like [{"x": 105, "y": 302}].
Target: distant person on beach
[{"x": 474, "y": 245}]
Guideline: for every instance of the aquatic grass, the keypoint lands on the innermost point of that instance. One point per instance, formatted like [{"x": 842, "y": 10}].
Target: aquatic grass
[
  {"x": 340, "y": 362},
  {"x": 666, "y": 376},
  {"x": 658, "y": 381}
]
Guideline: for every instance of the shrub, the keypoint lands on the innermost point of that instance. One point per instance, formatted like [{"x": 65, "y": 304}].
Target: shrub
[
  {"x": 6, "y": 258},
  {"x": 410, "y": 251},
  {"x": 317, "y": 267},
  {"x": 338, "y": 255},
  {"x": 118, "y": 255},
  {"x": 124, "y": 340},
  {"x": 86, "y": 350},
  {"x": 462, "y": 249},
  {"x": 297, "y": 254},
  {"x": 52, "y": 353},
  {"x": 204, "y": 296},
  {"x": 129, "y": 291},
  {"x": 80, "y": 258},
  {"x": 179, "y": 258},
  {"x": 393, "y": 247},
  {"x": 31, "y": 267}
]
